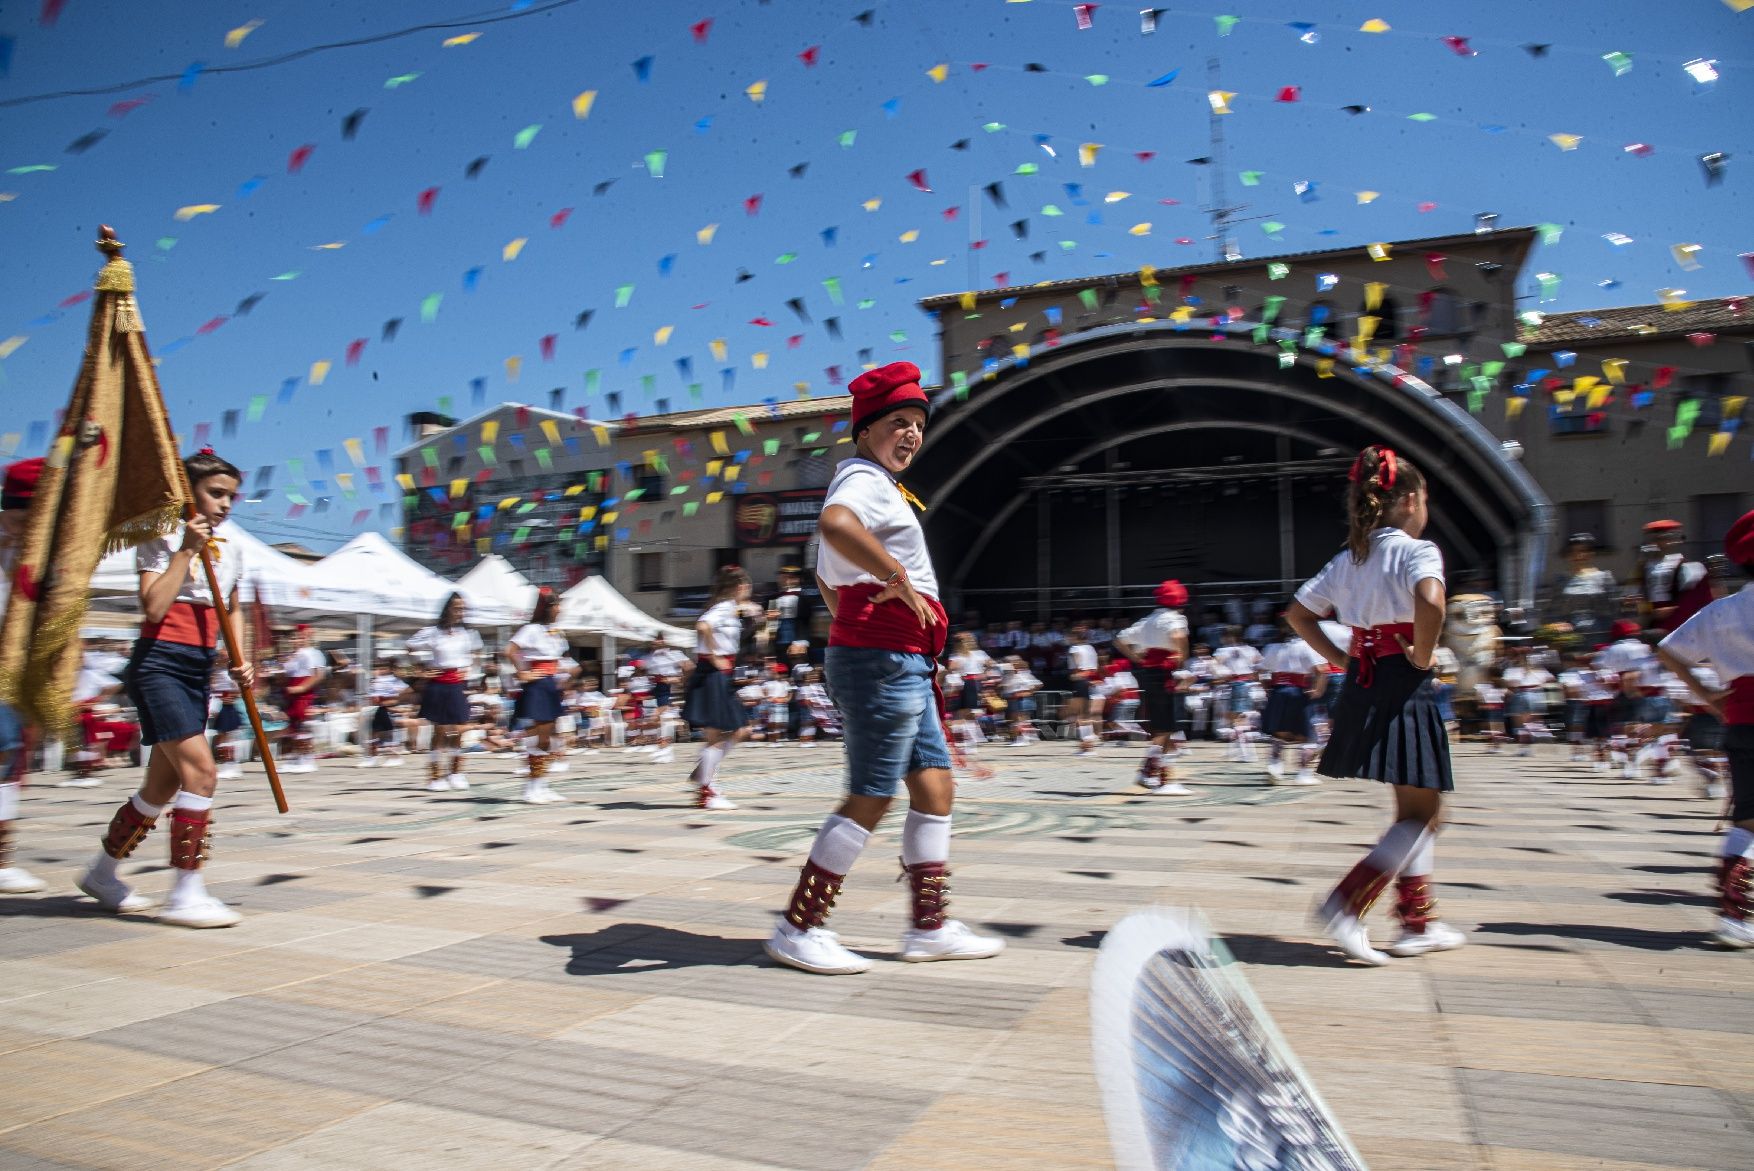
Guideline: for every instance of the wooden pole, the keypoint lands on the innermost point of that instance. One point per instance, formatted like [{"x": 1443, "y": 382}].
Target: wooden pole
[{"x": 110, "y": 246}]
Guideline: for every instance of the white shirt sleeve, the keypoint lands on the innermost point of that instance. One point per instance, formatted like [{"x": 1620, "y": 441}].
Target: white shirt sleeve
[
  {"x": 866, "y": 494},
  {"x": 1316, "y": 594},
  {"x": 1423, "y": 561}
]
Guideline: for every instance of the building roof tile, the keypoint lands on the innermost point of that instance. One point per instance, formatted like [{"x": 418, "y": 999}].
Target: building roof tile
[{"x": 1644, "y": 321}]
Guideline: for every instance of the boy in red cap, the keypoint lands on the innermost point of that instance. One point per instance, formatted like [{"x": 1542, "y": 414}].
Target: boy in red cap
[
  {"x": 1674, "y": 587},
  {"x": 1158, "y": 643},
  {"x": 1722, "y": 634},
  {"x": 20, "y": 488},
  {"x": 889, "y": 629}
]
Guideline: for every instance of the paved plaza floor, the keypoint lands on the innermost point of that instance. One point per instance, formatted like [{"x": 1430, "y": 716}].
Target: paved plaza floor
[{"x": 461, "y": 980}]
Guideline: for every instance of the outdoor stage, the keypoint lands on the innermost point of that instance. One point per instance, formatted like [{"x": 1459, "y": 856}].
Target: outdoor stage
[{"x": 464, "y": 981}]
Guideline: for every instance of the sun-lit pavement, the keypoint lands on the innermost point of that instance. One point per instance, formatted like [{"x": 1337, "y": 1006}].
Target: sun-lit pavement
[{"x": 462, "y": 980}]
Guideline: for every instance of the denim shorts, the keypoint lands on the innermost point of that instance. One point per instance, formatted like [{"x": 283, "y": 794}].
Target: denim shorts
[
  {"x": 890, "y": 717},
  {"x": 11, "y": 731}
]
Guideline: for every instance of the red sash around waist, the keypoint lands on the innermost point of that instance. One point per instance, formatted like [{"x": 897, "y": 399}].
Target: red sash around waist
[
  {"x": 185, "y": 624},
  {"x": 1289, "y": 679},
  {"x": 1739, "y": 708},
  {"x": 891, "y": 626},
  {"x": 544, "y": 667},
  {"x": 449, "y": 675},
  {"x": 1164, "y": 660},
  {"x": 1370, "y": 643}
]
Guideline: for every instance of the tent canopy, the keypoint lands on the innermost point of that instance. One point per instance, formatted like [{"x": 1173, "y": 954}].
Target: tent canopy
[
  {"x": 269, "y": 574},
  {"x": 379, "y": 579},
  {"x": 596, "y": 607},
  {"x": 495, "y": 583}
]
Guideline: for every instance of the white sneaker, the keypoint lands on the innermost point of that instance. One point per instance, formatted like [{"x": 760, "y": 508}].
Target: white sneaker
[
  {"x": 229, "y": 772},
  {"x": 556, "y": 764},
  {"x": 1307, "y": 777},
  {"x": 664, "y": 756},
  {"x": 1436, "y": 937},
  {"x": 1657, "y": 779},
  {"x": 388, "y": 761},
  {"x": 16, "y": 880},
  {"x": 200, "y": 913},
  {"x": 533, "y": 794},
  {"x": 817, "y": 950},
  {"x": 458, "y": 781},
  {"x": 366, "y": 762},
  {"x": 952, "y": 941},
  {"x": 1714, "y": 792},
  {"x": 1276, "y": 771},
  {"x": 1175, "y": 789},
  {"x": 442, "y": 785},
  {"x": 1526, "y": 750},
  {"x": 1354, "y": 939},
  {"x": 114, "y": 896},
  {"x": 717, "y": 801},
  {"x": 1736, "y": 934},
  {"x": 78, "y": 783}
]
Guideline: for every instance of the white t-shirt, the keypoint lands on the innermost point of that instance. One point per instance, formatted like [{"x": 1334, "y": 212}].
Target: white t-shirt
[
  {"x": 541, "y": 643},
  {"x": 305, "y": 663},
  {"x": 1670, "y": 577},
  {"x": 1490, "y": 696},
  {"x": 1380, "y": 590},
  {"x": 1527, "y": 678},
  {"x": 1292, "y": 657},
  {"x": 665, "y": 662},
  {"x": 1157, "y": 631},
  {"x": 447, "y": 650},
  {"x": 1630, "y": 655},
  {"x": 1238, "y": 659},
  {"x": 1721, "y": 634},
  {"x": 776, "y": 690},
  {"x": 1018, "y": 683},
  {"x": 1081, "y": 656},
  {"x": 385, "y": 688},
  {"x": 975, "y": 662},
  {"x": 154, "y": 556},
  {"x": 873, "y": 496},
  {"x": 90, "y": 683},
  {"x": 724, "y": 629},
  {"x": 786, "y": 605}
]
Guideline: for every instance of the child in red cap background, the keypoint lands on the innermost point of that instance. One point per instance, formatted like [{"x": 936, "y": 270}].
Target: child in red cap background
[{"x": 20, "y": 488}]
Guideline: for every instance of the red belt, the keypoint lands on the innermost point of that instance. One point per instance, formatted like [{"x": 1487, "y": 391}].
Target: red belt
[
  {"x": 186, "y": 624},
  {"x": 1287, "y": 679},
  {"x": 1162, "y": 659},
  {"x": 544, "y": 667},
  {"x": 859, "y": 622},
  {"x": 1739, "y": 708},
  {"x": 1370, "y": 643},
  {"x": 449, "y": 675}
]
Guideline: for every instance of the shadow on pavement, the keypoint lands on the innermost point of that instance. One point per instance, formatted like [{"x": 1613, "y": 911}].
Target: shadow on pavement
[
  {"x": 1693, "y": 940},
  {"x": 631, "y": 948},
  {"x": 1271, "y": 951}
]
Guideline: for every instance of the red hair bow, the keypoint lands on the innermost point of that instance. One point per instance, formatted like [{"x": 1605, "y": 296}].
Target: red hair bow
[{"x": 1386, "y": 454}]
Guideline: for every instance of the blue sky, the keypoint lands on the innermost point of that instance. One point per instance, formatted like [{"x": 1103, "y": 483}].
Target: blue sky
[{"x": 227, "y": 139}]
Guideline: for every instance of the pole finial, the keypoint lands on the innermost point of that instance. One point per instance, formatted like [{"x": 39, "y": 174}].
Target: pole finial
[{"x": 107, "y": 242}]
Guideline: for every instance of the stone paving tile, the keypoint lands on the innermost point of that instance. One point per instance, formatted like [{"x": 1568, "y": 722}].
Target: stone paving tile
[
  {"x": 1684, "y": 1126},
  {"x": 462, "y": 980}
]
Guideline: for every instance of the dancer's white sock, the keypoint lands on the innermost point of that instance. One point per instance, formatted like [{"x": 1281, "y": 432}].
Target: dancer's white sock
[
  {"x": 838, "y": 844},
  {"x": 925, "y": 837},
  {"x": 1738, "y": 842}
]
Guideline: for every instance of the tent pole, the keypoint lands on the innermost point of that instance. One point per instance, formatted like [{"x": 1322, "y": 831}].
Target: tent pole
[{"x": 608, "y": 663}]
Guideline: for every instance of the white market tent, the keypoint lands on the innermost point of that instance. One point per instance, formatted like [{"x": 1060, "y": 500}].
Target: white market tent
[
  {"x": 596, "y": 607},
  {"x": 494, "y": 582},
  {"x": 377, "y": 579},
  {"x": 269, "y": 574}
]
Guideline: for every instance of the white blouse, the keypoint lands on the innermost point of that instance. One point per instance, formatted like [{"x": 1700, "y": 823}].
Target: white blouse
[
  {"x": 724, "y": 629},
  {"x": 1380, "y": 590},
  {"x": 541, "y": 643},
  {"x": 154, "y": 556},
  {"x": 447, "y": 650}
]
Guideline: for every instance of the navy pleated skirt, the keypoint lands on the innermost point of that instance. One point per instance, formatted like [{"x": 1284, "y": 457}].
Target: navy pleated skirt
[
  {"x": 383, "y": 722},
  {"x": 1165, "y": 710},
  {"x": 229, "y": 719},
  {"x": 1390, "y": 731},
  {"x": 538, "y": 702},
  {"x": 1287, "y": 712},
  {"x": 444, "y": 705},
  {"x": 168, "y": 683},
  {"x": 709, "y": 701}
]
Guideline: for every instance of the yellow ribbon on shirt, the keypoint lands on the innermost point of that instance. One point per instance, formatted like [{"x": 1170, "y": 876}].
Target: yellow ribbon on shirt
[{"x": 910, "y": 497}]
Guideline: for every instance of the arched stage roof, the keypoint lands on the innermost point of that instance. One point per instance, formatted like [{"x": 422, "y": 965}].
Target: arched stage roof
[{"x": 1128, "y": 383}]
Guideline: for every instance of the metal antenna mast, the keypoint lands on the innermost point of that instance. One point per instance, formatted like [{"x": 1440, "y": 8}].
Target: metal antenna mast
[{"x": 1220, "y": 211}]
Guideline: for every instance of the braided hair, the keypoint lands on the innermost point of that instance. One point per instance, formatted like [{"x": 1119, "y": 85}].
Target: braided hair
[{"x": 1379, "y": 479}]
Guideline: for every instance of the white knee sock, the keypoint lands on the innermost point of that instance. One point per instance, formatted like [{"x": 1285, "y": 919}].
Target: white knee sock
[
  {"x": 838, "y": 844},
  {"x": 1396, "y": 849},
  {"x": 187, "y": 800},
  {"x": 1738, "y": 842},
  {"x": 925, "y": 837},
  {"x": 146, "y": 808},
  {"x": 1424, "y": 855},
  {"x": 9, "y": 801},
  {"x": 706, "y": 772}
]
